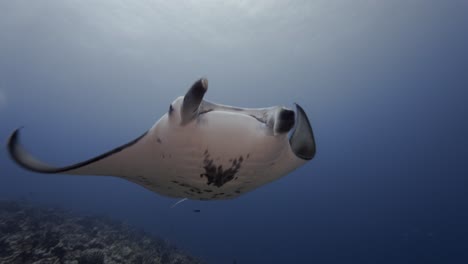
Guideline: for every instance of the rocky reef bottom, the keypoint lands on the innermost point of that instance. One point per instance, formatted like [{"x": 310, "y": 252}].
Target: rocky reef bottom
[{"x": 31, "y": 234}]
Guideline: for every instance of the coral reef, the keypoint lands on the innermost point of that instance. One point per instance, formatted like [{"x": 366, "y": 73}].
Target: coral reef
[{"x": 44, "y": 235}]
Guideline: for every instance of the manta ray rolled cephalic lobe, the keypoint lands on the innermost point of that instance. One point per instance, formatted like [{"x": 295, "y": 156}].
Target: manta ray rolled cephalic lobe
[{"x": 200, "y": 150}]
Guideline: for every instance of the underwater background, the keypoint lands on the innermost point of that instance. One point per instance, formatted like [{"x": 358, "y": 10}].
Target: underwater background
[{"x": 384, "y": 84}]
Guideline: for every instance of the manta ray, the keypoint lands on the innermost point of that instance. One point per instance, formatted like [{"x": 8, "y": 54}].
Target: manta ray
[{"x": 200, "y": 150}]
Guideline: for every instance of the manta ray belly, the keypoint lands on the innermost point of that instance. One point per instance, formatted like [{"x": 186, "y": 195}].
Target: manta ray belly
[{"x": 219, "y": 156}]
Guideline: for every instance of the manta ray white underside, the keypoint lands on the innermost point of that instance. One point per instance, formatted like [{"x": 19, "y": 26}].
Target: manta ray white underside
[{"x": 200, "y": 150}]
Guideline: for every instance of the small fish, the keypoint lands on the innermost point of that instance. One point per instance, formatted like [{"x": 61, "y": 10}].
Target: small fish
[{"x": 196, "y": 210}]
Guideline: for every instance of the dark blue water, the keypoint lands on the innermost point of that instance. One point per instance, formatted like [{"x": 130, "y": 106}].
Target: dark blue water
[{"x": 384, "y": 85}]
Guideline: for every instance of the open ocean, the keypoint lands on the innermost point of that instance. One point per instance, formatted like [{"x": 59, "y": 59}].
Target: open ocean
[{"x": 384, "y": 84}]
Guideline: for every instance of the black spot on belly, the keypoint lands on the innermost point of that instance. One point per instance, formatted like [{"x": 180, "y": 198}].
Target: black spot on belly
[
  {"x": 158, "y": 140},
  {"x": 216, "y": 175}
]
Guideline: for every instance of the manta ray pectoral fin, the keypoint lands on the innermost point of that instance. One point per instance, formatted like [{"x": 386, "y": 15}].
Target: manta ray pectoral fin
[
  {"x": 192, "y": 100},
  {"x": 109, "y": 163},
  {"x": 302, "y": 139}
]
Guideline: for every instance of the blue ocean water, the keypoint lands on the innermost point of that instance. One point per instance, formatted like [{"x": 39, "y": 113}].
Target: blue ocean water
[{"x": 384, "y": 85}]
